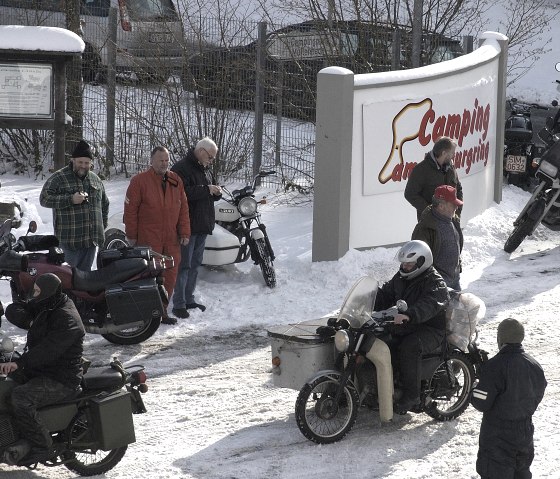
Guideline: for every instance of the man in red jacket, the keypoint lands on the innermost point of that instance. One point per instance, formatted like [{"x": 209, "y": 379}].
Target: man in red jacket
[{"x": 156, "y": 214}]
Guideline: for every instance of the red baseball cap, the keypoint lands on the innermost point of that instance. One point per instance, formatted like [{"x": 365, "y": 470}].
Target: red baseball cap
[{"x": 447, "y": 193}]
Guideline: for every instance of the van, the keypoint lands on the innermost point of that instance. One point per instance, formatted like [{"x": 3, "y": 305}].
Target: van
[{"x": 149, "y": 33}]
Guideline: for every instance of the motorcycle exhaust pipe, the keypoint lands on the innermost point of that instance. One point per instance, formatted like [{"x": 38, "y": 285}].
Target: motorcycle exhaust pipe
[{"x": 110, "y": 328}]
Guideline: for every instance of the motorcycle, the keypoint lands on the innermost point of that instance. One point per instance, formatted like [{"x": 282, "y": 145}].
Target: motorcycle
[
  {"x": 90, "y": 433},
  {"x": 543, "y": 206},
  {"x": 238, "y": 234},
  {"x": 122, "y": 300},
  {"x": 519, "y": 148},
  {"x": 327, "y": 404}
]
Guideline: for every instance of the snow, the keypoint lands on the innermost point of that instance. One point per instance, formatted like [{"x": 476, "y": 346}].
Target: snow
[
  {"x": 48, "y": 39},
  {"x": 213, "y": 411}
]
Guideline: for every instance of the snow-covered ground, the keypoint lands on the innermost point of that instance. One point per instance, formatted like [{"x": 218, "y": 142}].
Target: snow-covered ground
[{"x": 213, "y": 411}]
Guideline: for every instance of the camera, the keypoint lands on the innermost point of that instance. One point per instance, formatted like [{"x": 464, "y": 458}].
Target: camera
[{"x": 86, "y": 199}]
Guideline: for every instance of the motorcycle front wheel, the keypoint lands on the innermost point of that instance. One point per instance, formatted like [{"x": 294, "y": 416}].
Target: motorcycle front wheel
[
  {"x": 134, "y": 335},
  {"x": 318, "y": 417},
  {"x": 89, "y": 461},
  {"x": 518, "y": 235},
  {"x": 265, "y": 263},
  {"x": 450, "y": 387}
]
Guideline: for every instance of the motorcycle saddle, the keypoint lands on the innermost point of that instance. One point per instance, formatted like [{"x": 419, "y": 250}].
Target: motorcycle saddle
[
  {"x": 101, "y": 378},
  {"x": 117, "y": 272}
]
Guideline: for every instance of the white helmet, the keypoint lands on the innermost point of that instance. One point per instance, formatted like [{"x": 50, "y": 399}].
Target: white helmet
[{"x": 415, "y": 252}]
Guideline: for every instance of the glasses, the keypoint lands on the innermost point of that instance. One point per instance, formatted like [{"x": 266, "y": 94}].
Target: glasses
[{"x": 210, "y": 157}]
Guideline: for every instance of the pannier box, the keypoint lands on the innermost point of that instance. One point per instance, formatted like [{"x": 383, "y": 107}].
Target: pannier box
[
  {"x": 134, "y": 301},
  {"x": 301, "y": 352},
  {"x": 111, "y": 418}
]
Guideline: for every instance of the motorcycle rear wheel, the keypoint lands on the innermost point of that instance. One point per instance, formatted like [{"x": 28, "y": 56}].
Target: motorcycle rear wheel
[
  {"x": 518, "y": 234},
  {"x": 318, "y": 418},
  {"x": 450, "y": 386},
  {"x": 115, "y": 239},
  {"x": 265, "y": 263},
  {"x": 89, "y": 462},
  {"x": 134, "y": 336}
]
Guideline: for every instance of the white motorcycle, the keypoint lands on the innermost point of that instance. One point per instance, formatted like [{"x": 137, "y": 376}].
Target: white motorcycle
[{"x": 237, "y": 236}]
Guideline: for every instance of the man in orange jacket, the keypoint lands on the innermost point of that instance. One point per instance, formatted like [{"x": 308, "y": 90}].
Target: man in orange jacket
[{"x": 156, "y": 214}]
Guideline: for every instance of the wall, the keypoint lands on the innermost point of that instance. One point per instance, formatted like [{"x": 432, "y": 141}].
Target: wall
[{"x": 365, "y": 147}]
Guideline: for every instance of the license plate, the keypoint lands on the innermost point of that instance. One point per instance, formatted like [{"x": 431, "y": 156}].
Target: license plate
[
  {"x": 516, "y": 163},
  {"x": 161, "y": 37}
]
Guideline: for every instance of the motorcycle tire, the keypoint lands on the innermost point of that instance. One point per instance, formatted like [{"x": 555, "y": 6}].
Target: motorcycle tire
[
  {"x": 115, "y": 239},
  {"x": 265, "y": 263},
  {"x": 134, "y": 336},
  {"x": 318, "y": 418},
  {"x": 518, "y": 234},
  {"x": 450, "y": 386},
  {"x": 90, "y": 462}
]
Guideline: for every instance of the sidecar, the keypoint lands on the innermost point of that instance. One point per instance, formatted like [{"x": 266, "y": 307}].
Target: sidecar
[{"x": 298, "y": 352}]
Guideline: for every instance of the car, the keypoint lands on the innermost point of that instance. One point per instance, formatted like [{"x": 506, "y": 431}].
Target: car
[{"x": 226, "y": 77}]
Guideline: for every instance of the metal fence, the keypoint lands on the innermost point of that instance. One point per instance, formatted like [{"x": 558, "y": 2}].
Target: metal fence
[{"x": 247, "y": 85}]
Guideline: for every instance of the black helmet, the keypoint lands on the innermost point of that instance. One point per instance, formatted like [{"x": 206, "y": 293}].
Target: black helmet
[
  {"x": 418, "y": 252},
  {"x": 46, "y": 293}
]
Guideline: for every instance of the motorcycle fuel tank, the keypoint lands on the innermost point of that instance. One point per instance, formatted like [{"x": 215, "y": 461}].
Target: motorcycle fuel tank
[{"x": 225, "y": 211}]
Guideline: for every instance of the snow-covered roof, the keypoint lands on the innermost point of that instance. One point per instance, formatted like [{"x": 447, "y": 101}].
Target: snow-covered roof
[{"x": 47, "y": 39}]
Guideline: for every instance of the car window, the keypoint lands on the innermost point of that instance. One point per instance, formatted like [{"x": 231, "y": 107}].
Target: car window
[
  {"x": 151, "y": 10},
  {"x": 97, "y": 8},
  {"x": 348, "y": 44},
  {"x": 442, "y": 53}
]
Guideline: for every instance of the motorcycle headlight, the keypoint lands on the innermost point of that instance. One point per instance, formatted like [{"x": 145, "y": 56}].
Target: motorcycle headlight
[
  {"x": 247, "y": 206},
  {"x": 548, "y": 169},
  {"x": 342, "y": 341}
]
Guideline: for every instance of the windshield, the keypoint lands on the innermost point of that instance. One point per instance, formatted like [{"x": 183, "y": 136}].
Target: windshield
[
  {"x": 359, "y": 302},
  {"x": 151, "y": 10}
]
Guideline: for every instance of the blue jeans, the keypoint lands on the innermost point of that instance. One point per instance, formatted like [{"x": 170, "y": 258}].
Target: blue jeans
[
  {"x": 79, "y": 258},
  {"x": 191, "y": 259}
]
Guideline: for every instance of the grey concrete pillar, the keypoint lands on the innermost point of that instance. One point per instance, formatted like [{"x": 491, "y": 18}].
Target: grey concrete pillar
[{"x": 333, "y": 163}]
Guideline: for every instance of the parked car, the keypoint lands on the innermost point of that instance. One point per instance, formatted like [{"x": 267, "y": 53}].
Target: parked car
[
  {"x": 149, "y": 33},
  {"x": 226, "y": 77}
]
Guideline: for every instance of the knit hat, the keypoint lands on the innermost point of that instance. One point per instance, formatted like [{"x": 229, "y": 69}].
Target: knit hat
[
  {"x": 82, "y": 150},
  {"x": 510, "y": 331}
]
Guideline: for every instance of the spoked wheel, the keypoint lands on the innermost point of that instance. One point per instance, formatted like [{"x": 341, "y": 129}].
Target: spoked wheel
[
  {"x": 518, "y": 235},
  {"x": 86, "y": 461},
  {"x": 450, "y": 386},
  {"x": 319, "y": 417},
  {"x": 265, "y": 263},
  {"x": 115, "y": 239},
  {"x": 134, "y": 335}
]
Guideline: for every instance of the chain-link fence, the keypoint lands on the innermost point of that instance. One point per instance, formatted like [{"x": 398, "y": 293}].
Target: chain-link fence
[{"x": 249, "y": 86}]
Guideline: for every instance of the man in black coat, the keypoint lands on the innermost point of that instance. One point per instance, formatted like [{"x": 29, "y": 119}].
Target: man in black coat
[
  {"x": 50, "y": 369},
  {"x": 421, "y": 328},
  {"x": 510, "y": 388},
  {"x": 202, "y": 192},
  {"x": 436, "y": 169}
]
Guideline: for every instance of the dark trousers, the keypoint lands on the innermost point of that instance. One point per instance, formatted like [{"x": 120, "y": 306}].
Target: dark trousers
[
  {"x": 27, "y": 398},
  {"x": 506, "y": 449},
  {"x": 409, "y": 351}
]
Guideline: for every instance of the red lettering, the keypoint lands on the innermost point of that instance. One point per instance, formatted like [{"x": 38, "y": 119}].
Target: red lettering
[{"x": 424, "y": 138}]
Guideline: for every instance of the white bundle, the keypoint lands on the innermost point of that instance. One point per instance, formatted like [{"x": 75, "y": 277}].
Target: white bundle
[{"x": 464, "y": 312}]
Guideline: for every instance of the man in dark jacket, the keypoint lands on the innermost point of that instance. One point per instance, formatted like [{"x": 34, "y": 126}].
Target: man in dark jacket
[
  {"x": 440, "y": 228},
  {"x": 421, "y": 329},
  {"x": 511, "y": 386},
  {"x": 436, "y": 169},
  {"x": 202, "y": 192},
  {"x": 50, "y": 369}
]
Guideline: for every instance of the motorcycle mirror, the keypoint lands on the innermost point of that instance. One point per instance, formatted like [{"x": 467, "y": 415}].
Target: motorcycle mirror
[
  {"x": 557, "y": 66},
  {"x": 402, "y": 306},
  {"x": 32, "y": 227},
  {"x": 7, "y": 346},
  {"x": 554, "y": 103}
]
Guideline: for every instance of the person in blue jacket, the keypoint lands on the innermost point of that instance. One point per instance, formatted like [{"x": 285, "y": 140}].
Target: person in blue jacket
[{"x": 510, "y": 388}]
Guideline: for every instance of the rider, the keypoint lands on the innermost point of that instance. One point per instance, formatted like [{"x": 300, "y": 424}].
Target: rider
[
  {"x": 50, "y": 369},
  {"x": 421, "y": 328}
]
